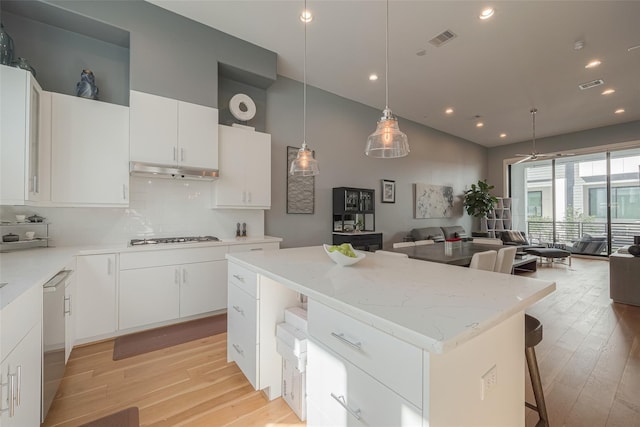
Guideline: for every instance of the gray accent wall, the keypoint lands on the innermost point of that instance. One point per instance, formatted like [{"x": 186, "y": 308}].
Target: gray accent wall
[
  {"x": 337, "y": 129},
  {"x": 599, "y": 137}
]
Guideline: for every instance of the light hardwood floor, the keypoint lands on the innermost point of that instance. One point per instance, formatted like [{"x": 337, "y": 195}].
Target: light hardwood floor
[{"x": 589, "y": 360}]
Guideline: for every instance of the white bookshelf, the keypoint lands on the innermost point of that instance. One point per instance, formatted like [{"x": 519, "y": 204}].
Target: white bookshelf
[{"x": 499, "y": 219}]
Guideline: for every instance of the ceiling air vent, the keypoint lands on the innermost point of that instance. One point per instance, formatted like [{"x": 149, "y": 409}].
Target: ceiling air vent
[
  {"x": 589, "y": 85},
  {"x": 443, "y": 38}
]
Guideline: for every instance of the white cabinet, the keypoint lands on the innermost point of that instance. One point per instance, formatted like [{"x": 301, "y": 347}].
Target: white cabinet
[
  {"x": 256, "y": 305},
  {"x": 245, "y": 169},
  {"x": 173, "y": 284},
  {"x": 90, "y": 152},
  {"x": 166, "y": 131},
  {"x": 25, "y": 139},
  {"x": 95, "y": 308},
  {"x": 21, "y": 359}
]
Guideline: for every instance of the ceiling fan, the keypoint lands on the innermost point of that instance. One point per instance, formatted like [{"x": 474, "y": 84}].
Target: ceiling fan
[{"x": 534, "y": 155}]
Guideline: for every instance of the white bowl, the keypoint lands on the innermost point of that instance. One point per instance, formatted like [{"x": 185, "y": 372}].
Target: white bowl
[{"x": 342, "y": 259}]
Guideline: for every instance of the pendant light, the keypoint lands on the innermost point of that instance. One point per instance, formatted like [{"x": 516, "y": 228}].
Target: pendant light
[
  {"x": 304, "y": 163},
  {"x": 388, "y": 141}
]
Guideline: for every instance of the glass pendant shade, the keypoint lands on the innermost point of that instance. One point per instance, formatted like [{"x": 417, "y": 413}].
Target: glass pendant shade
[
  {"x": 388, "y": 141},
  {"x": 304, "y": 164}
]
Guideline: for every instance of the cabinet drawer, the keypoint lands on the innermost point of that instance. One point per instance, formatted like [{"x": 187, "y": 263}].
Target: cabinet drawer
[
  {"x": 242, "y": 333},
  {"x": 338, "y": 393},
  {"x": 254, "y": 247},
  {"x": 393, "y": 362},
  {"x": 246, "y": 279},
  {"x": 157, "y": 258}
]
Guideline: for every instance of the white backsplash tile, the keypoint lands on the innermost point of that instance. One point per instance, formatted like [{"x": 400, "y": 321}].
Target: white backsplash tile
[{"x": 157, "y": 207}]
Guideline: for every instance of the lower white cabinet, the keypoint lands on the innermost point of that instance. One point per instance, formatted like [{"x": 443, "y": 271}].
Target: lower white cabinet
[
  {"x": 95, "y": 309},
  {"x": 21, "y": 360},
  {"x": 256, "y": 305},
  {"x": 21, "y": 383},
  {"x": 152, "y": 292},
  {"x": 69, "y": 316}
]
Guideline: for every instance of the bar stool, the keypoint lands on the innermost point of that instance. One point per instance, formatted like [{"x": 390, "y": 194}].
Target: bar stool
[{"x": 532, "y": 336}]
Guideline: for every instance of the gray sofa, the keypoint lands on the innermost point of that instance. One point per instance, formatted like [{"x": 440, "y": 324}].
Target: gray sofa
[{"x": 437, "y": 234}]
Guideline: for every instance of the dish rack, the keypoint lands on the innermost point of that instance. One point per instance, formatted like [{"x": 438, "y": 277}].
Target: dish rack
[{"x": 41, "y": 238}]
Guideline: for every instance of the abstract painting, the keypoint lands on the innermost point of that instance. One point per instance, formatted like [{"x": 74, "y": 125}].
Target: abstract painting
[
  {"x": 300, "y": 189},
  {"x": 433, "y": 201}
]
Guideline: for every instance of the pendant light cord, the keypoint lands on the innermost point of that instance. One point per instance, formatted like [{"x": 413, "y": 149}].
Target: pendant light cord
[
  {"x": 386, "y": 53},
  {"x": 304, "y": 86}
]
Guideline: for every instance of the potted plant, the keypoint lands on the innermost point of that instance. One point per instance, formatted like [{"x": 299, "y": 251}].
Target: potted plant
[{"x": 478, "y": 201}]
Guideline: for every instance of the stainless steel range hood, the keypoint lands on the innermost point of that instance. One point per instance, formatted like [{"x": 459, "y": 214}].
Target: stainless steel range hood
[{"x": 160, "y": 171}]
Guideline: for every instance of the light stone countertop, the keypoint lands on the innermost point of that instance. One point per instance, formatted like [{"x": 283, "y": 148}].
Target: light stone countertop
[
  {"x": 433, "y": 306},
  {"x": 23, "y": 269}
]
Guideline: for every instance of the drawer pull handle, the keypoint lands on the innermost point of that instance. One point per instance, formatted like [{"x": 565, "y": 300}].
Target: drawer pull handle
[
  {"x": 343, "y": 403},
  {"x": 237, "y": 276},
  {"x": 18, "y": 384},
  {"x": 238, "y": 349},
  {"x": 342, "y": 338},
  {"x": 238, "y": 309}
]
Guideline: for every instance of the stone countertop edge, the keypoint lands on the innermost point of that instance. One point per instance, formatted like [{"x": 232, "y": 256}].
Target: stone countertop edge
[
  {"x": 258, "y": 262},
  {"x": 33, "y": 267}
]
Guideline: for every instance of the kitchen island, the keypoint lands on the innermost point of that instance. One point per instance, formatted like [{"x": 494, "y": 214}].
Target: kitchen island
[{"x": 393, "y": 341}]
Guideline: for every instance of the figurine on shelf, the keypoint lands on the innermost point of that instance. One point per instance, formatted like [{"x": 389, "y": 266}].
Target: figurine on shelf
[
  {"x": 6, "y": 46},
  {"x": 86, "y": 87}
]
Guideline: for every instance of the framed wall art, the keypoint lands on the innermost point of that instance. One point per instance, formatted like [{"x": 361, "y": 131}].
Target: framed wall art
[
  {"x": 300, "y": 189},
  {"x": 433, "y": 201},
  {"x": 388, "y": 192}
]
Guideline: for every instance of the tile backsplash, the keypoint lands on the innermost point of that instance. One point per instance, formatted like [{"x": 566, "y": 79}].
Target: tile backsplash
[{"x": 158, "y": 207}]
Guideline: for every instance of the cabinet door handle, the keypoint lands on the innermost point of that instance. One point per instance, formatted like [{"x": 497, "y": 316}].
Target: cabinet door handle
[
  {"x": 340, "y": 337},
  {"x": 240, "y": 278},
  {"x": 34, "y": 184},
  {"x": 256, "y": 249},
  {"x": 67, "y": 303},
  {"x": 174, "y": 154},
  {"x": 176, "y": 276},
  {"x": 182, "y": 154},
  {"x": 124, "y": 191},
  {"x": 340, "y": 399},
  {"x": 184, "y": 275},
  {"x": 18, "y": 383},
  {"x": 10, "y": 395},
  {"x": 248, "y": 196},
  {"x": 238, "y": 309},
  {"x": 109, "y": 266},
  {"x": 238, "y": 349}
]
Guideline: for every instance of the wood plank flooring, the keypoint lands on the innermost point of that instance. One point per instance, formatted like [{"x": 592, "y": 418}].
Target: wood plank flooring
[{"x": 589, "y": 361}]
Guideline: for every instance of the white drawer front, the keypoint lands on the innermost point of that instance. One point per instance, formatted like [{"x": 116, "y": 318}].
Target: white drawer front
[
  {"x": 246, "y": 279},
  {"x": 339, "y": 394},
  {"x": 242, "y": 332},
  {"x": 393, "y": 362},
  {"x": 157, "y": 258},
  {"x": 17, "y": 320},
  {"x": 254, "y": 247}
]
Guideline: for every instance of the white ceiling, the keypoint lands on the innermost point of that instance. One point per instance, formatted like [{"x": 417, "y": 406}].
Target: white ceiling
[{"x": 498, "y": 69}]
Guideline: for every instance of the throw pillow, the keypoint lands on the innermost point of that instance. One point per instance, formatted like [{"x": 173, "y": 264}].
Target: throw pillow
[{"x": 513, "y": 236}]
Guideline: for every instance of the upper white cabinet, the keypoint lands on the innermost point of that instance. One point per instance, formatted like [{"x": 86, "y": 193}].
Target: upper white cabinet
[
  {"x": 245, "y": 169},
  {"x": 166, "y": 131},
  {"x": 90, "y": 152},
  {"x": 24, "y": 139}
]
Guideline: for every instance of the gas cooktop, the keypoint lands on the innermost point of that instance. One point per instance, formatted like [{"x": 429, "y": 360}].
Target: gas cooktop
[{"x": 161, "y": 240}]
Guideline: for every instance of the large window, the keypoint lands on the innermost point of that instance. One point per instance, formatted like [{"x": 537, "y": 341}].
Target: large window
[{"x": 589, "y": 203}]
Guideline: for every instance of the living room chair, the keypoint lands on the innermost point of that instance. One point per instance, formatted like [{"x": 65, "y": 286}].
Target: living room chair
[
  {"x": 484, "y": 260},
  {"x": 389, "y": 253},
  {"x": 504, "y": 260},
  {"x": 424, "y": 242},
  {"x": 403, "y": 244}
]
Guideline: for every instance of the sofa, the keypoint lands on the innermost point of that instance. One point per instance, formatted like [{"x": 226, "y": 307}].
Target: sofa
[
  {"x": 588, "y": 244},
  {"x": 437, "y": 234}
]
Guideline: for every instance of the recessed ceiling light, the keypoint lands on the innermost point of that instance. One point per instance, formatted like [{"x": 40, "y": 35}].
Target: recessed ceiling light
[
  {"x": 479, "y": 124},
  {"x": 593, "y": 64},
  {"x": 306, "y": 16},
  {"x": 608, "y": 91},
  {"x": 619, "y": 111},
  {"x": 449, "y": 111},
  {"x": 503, "y": 135},
  {"x": 373, "y": 77},
  {"x": 487, "y": 13}
]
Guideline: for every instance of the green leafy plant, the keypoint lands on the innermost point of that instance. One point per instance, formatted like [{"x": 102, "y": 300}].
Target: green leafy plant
[{"x": 478, "y": 201}]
